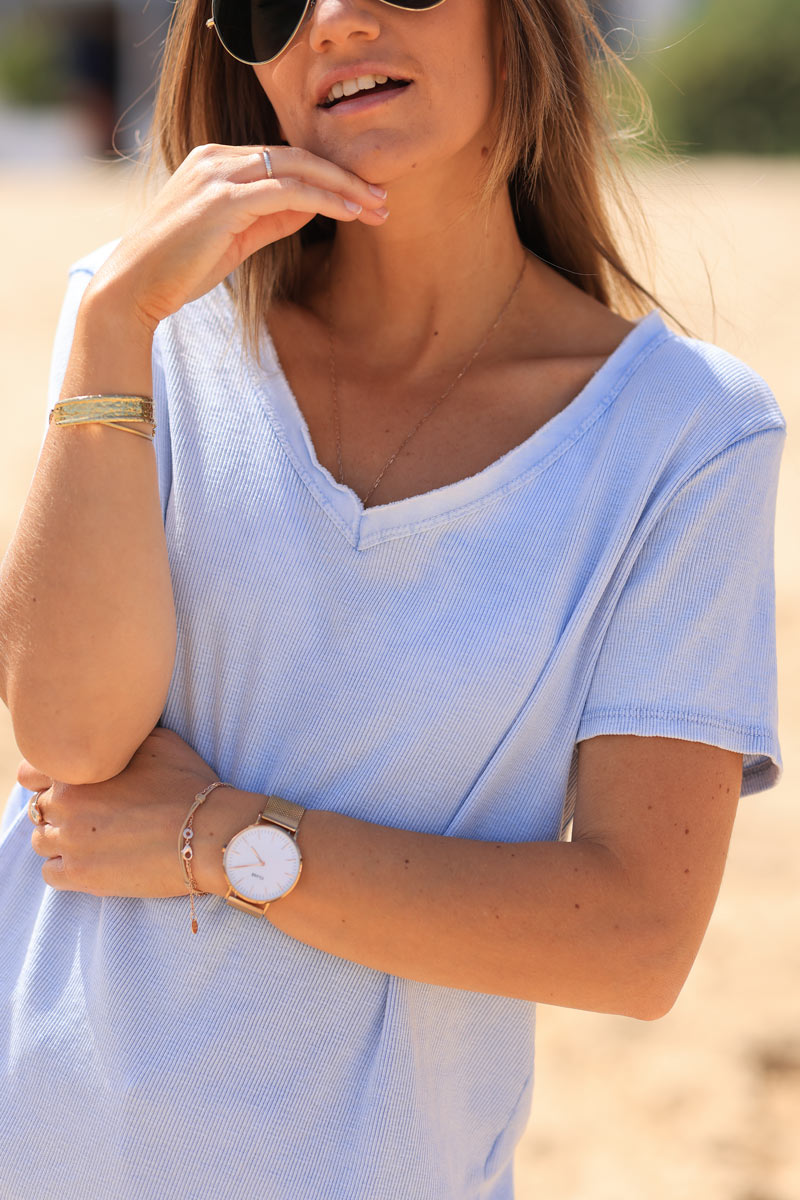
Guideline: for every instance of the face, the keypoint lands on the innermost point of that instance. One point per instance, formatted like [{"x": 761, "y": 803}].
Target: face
[{"x": 436, "y": 108}]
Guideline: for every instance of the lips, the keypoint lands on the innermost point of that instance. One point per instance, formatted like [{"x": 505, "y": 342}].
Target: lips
[
  {"x": 358, "y": 80},
  {"x": 363, "y": 85}
]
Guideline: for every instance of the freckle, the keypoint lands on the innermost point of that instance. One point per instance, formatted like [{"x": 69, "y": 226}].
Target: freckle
[
  {"x": 94, "y": 829},
  {"x": 649, "y": 808},
  {"x": 727, "y": 790},
  {"x": 513, "y": 856},
  {"x": 436, "y": 333},
  {"x": 686, "y": 831},
  {"x": 484, "y": 150},
  {"x": 497, "y": 845},
  {"x": 497, "y": 916},
  {"x": 616, "y": 926},
  {"x": 577, "y": 905},
  {"x": 686, "y": 872}
]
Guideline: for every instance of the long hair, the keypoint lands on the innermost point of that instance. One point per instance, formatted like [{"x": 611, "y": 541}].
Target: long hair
[{"x": 557, "y": 149}]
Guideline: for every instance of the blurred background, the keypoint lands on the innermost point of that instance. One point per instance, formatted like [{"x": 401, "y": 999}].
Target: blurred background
[{"x": 704, "y": 1104}]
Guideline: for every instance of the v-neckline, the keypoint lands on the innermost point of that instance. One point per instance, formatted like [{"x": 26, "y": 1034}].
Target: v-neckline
[{"x": 365, "y": 527}]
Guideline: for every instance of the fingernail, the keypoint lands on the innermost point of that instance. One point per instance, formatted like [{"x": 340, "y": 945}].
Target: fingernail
[
  {"x": 356, "y": 208},
  {"x": 378, "y": 191},
  {"x": 381, "y": 212}
]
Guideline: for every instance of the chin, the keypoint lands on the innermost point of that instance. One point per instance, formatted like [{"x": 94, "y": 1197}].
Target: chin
[{"x": 376, "y": 157}]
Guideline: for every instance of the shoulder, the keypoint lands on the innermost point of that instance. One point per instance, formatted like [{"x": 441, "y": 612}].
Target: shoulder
[
  {"x": 91, "y": 263},
  {"x": 667, "y": 406},
  {"x": 705, "y": 390}
]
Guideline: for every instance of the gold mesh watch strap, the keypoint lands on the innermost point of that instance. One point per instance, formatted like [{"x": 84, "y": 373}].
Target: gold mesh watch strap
[
  {"x": 249, "y": 906},
  {"x": 282, "y": 812}
]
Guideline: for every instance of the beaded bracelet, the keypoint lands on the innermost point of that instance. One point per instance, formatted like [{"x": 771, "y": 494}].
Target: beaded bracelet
[{"x": 185, "y": 846}]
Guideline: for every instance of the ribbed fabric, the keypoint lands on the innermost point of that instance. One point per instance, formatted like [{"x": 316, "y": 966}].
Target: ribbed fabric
[{"x": 428, "y": 664}]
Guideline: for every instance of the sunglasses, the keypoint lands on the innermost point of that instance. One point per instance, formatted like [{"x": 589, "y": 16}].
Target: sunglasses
[{"x": 257, "y": 31}]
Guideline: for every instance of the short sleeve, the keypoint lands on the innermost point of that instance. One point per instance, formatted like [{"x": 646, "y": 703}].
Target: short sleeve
[
  {"x": 690, "y": 649},
  {"x": 79, "y": 278},
  {"x": 78, "y": 282}
]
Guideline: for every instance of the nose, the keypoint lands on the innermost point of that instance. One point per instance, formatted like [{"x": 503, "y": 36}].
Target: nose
[{"x": 336, "y": 22}]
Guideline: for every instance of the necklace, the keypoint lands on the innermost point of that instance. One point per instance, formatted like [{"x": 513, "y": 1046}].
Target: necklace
[{"x": 335, "y": 392}]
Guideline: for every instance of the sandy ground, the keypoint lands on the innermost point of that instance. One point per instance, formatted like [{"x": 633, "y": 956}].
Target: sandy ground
[{"x": 704, "y": 1104}]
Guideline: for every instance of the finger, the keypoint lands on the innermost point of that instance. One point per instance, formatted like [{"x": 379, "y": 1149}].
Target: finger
[
  {"x": 31, "y": 778},
  {"x": 43, "y": 803},
  {"x": 275, "y": 196},
  {"x": 293, "y": 163},
  {"x": 46, "y": 841},
  {"x": 272, "y": 229},
  {"x": 55, "y": 875}
]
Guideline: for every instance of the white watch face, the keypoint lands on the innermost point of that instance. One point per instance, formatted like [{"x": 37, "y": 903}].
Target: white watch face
[{"x": 262, "y": 862}]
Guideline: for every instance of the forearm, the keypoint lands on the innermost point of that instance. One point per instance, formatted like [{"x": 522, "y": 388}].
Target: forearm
[
  {"x": 86, "y": 609},
  {"x": 551, "y": 922}
]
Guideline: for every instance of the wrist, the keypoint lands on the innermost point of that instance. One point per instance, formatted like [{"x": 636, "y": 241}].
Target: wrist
[
  {"x": 224, "y": 813},
  {"x": 112, "y": 350},
  {"x": 109, "y": 298}
]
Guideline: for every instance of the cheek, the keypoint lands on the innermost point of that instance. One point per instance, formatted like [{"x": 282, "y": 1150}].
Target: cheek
[
  {"x": 271, "y": 86},
  {"x": 475, "y": 88}
]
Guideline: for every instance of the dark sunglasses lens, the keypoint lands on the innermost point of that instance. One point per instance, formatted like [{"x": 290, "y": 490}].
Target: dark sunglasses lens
[{"x": 257, "y": 30}]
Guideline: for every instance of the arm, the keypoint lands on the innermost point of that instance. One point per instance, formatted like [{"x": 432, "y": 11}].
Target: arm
[
  {"x": 85, "y": 594},
  {"x": 610, "y": 922},
  {"x": 87, "y": 624}
]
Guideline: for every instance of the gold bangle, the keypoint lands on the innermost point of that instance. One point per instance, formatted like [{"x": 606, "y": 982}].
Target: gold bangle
[
  {"x": 149, "y": 437},
  {"x": 104, "y": 409}
]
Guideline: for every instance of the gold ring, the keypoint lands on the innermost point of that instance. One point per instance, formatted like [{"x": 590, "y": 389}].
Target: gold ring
[{"x": 34, "y": 812}]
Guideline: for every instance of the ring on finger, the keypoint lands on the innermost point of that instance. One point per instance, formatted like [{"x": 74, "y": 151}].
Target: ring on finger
[
  {"x": 268, "y": 163},
  {"x": 34, "y": 812}
]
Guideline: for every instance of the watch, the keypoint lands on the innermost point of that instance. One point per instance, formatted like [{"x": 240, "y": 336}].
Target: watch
[{"x": 262, "y": 862}]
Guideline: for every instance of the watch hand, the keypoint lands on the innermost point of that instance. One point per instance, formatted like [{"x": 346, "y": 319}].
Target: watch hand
[{"x": 258, "y": 856}]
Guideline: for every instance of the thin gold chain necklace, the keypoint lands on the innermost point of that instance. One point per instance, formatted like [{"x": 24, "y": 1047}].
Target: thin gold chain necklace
[{"x": 335, "y": 392}]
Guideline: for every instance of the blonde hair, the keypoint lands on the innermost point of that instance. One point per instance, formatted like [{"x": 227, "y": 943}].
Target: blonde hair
[{"x": 556, "y": 149}]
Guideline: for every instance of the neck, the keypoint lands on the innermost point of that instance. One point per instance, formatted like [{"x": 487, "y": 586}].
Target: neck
[{"x": 428, "y": 282}]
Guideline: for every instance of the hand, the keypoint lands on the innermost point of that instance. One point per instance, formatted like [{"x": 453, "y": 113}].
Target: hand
[
  {"x": 120, "y": 837},
  {"x": 216, "y": 210}
]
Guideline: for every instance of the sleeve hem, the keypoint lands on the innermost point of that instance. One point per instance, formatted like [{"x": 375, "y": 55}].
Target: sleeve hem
[{"x": 762, "y": 766}]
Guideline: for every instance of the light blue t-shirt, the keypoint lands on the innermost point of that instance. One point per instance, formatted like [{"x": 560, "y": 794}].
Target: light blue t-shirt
[{"x": 429, "y": 664}]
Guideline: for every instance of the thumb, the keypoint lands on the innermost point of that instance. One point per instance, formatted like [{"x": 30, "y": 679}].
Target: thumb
[{"x": 274, "y": 228}]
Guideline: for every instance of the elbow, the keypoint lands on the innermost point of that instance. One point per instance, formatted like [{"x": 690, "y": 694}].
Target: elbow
[
  {"x": 659, "y": 980},
  {"x": 653, "y": 1006},
  {"x": 83, "y": 738},
  {"x": 73, "y": 753},
  {"x": 74, "y": 763}
]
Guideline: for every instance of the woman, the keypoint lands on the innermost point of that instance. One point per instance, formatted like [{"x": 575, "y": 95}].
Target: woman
[{"x": 437, "y": 547}]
